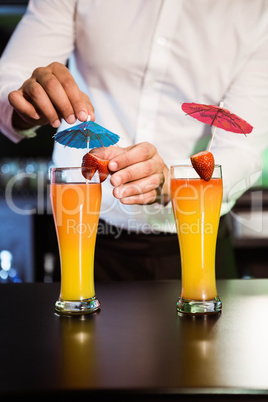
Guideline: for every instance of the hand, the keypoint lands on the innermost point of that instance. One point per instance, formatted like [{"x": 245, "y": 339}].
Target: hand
[
  {"x": 49, "y": 95},
  {"x": 138, "y": 174}
]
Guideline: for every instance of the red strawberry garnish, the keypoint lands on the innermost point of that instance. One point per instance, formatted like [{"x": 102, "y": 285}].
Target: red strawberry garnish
[
  {"x": 93, "y": 163},
  {"x": 203, "y": 163}
]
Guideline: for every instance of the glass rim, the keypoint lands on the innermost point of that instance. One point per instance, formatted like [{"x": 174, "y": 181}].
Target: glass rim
[
  {"x": 191, "y": 166},
  {"x": 54, "y": 169},
  {"x": 189, "y": 172},
  {"x": 73, "y": 174}
]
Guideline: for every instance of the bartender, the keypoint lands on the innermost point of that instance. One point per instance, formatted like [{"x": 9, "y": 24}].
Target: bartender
[{"x": 130, "y": 66}]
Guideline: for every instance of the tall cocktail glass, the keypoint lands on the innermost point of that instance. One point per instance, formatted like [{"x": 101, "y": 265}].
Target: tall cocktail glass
[
  {"x": 196, "y": 206},
  {"x": 76, "y": 205}
]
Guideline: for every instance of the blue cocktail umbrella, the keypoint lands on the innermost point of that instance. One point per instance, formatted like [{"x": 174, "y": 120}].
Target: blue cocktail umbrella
[{"x": 86, "y": 135}]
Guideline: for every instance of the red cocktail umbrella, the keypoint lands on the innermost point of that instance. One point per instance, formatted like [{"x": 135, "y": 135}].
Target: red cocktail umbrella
[{"x": 217, "y": 116}]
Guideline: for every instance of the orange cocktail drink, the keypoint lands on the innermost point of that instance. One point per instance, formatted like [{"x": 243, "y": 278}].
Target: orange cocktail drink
[
  {"x": 196, "y": 205},
  {"x": 76, "y": 204}
]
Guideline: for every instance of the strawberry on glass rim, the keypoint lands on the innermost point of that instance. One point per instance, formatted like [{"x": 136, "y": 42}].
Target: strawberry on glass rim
[
  {"x": 203, "y": 163},
  {"x": 92, "y": 163}
]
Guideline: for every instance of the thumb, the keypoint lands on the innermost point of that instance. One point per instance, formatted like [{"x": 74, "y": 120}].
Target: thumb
[{"x": 107, "y": 153}]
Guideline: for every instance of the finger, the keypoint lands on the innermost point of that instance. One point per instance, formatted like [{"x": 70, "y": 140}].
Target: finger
[
  {"x": 41, "y": 101},
  {"x": 132, "y": 155},
  {"x": 139, "y": 187},
  {"x": 107, "y": 153},
  {"x": 79, "y": 101},
  {"x": 56, "y": 93},
  {"x": 81, "y": 105},
  {"x": 142, "y": 199},
  {"x": 89, "y": 108},
  {"x": 134, "y": 172},
  {"x": 138, "y": 171},
  {"x": 24, "y": 108}
]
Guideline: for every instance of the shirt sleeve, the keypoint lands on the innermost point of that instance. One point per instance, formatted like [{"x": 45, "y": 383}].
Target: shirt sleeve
[
  {"x": 44, "y": 35},
  {"x": 241, "y": 155}
]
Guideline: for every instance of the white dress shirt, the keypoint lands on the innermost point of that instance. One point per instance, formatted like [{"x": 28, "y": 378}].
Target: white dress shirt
[{"x": 138, "y": 60}]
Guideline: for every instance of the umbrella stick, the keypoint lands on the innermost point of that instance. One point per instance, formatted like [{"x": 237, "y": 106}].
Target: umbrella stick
[
  {"x": 87, "y": 151},
  {"x": 213, "y": 133}
]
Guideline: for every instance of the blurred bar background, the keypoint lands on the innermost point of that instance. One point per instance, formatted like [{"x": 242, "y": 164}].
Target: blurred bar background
[{"x": 28, "y": 246}]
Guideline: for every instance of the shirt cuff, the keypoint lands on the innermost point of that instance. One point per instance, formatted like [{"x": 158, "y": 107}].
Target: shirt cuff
[{"x": 6, "y": 125}]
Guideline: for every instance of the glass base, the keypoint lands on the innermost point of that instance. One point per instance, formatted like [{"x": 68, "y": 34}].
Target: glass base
[
  {"x": 199, "y": 307},
  {"x": 77, "y": 307}
]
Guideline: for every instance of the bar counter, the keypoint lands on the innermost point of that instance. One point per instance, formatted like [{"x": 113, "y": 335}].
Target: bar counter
[{"x": 136, "y": 347}]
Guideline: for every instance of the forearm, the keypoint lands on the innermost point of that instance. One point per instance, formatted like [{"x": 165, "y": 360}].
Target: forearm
[{"x": 52, "y": 41}]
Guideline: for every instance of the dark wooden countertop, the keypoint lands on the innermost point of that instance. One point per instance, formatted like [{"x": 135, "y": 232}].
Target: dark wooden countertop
[{"x": 136, "y": 346}]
